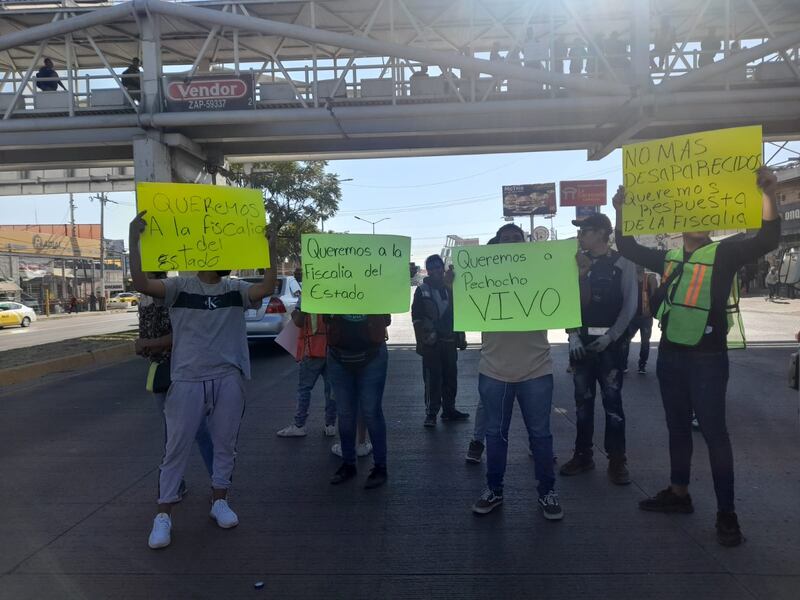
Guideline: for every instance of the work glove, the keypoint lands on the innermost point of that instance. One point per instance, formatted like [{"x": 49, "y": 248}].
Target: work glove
[
  {"x": 599, "y": 344},
  {"x": 576, "y": 349}
]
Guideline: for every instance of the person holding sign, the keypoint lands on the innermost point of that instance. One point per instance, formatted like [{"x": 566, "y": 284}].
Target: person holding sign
[
  {"x": 597, "y": 348},
  {"x": 209, "y": 362},
  {"x": 437, "y": 343},
  {"x": 517, "y": 365},
  {"x": 357, "y": 363},
  {"x": 697, "y": 305}
]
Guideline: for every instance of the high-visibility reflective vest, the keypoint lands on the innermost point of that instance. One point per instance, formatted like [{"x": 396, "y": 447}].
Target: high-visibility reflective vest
[
  {"x": 688, "y": 298},
  {"x": 312, "y": 341}
]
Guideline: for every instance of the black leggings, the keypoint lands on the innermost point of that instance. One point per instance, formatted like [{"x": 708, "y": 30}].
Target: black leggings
[{"x": 692, "y": 380}]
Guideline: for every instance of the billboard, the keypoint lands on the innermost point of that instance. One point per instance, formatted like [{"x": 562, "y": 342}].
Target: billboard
[
  {"x": 592, "y": 192},
  {"x": 33, "y": 243},
  {"x": 529, "y": 199},
  {"x": 225, "y": 91}
]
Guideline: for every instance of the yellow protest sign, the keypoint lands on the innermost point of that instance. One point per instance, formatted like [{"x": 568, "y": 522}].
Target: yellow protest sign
[
  {"x": 697, "y": 182},
  {"x": 355, "y": 274},
  {"x": 516, "y": 287},
  {"x": 202, "y": 227}
]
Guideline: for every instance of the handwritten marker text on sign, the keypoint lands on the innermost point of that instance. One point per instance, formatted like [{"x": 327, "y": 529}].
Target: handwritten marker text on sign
[
  {"x": 516, "y": 287},
  {"x": 202, "y": 227},
  {"x": 696, "y": 182},
  {"x": 355, "y": 274}
]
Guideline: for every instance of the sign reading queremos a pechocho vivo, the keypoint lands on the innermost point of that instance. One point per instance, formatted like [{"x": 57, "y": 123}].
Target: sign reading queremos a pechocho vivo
[{"x": 208, "y": 92}]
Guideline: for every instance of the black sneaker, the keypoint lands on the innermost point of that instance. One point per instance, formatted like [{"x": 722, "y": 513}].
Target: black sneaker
[
  {"x": 377, "y": 477},
  {"x": 430, "y": 421},
  {"x": 474, "y": 452},
  {"x": 344, "y": 473},
  {"x": 455, "y": 415},
  {"x": 728, "y": 531},
  {"x": 487, "y": 502},
  {"x": 642, "y": 370},
  {"x": 618, "y": 470},
  {"x": 667, "y": 501},
  {"x": 579, "y": 463},
  {"x": 551, "y": 507}
]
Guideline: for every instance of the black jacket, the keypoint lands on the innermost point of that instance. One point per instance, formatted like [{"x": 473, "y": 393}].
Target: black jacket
[{"x": 430, "y": 326}]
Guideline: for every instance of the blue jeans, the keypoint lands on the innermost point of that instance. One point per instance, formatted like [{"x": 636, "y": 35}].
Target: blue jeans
[
  {"x": 360, "y": 389},
  {"x": 309, "y": 370},
  {"x": 203, "y": 437},
  {"x": 644, "y": 325},
  {"x": 535, "y": 397},
  {"x": 603, "y": 368},
  {"x": 697, "y": 381}
]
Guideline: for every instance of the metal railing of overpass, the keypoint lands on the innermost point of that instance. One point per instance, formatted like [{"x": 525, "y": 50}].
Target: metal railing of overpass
[{"x": 346, "y": 75}]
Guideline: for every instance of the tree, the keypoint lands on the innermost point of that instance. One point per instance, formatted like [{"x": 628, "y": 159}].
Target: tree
[
  {"x": 297, "y": 194},
  {"x": 288, "y": 243}
]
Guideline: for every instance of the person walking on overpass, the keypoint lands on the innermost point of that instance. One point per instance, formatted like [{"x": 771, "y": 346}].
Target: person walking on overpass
[
  {"x": 437, "y": 343},
  {"x": 596, "y": 348},
  {"x": 697, "y": 305},
  {"x": 132, "y": 79},
  {"x": 47, "y": 78},
  {"x": 517, "y": 365},
  {"x": 209, "y": 364}
]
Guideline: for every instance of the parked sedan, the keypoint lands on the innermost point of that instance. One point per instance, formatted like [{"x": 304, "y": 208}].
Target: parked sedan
[
  {"x": 266, "y": 322},
  {"x": 14, "y": 313}
]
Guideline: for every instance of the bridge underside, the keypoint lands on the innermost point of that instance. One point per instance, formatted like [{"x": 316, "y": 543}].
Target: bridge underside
[{"x": 306, "y": 45}]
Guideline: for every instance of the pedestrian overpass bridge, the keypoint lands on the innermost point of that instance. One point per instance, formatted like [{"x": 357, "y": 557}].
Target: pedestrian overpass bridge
[{"x": 238, "y": 81}]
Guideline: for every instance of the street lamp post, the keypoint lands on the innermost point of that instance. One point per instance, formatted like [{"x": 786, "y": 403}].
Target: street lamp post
[{"x": 373, "y": 223}]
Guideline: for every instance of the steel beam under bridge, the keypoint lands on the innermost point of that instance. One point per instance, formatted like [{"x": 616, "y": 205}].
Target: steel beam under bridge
[{"x": 565, "y": 112}]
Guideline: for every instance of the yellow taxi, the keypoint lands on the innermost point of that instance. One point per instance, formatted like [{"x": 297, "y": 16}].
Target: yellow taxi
[{"x": 14, "y": 313}]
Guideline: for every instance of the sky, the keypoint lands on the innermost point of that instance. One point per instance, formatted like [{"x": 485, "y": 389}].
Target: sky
[{"x": 426, "y": 198}]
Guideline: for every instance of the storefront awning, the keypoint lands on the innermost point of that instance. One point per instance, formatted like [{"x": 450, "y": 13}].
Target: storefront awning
[{"x": 9, "y": 286}]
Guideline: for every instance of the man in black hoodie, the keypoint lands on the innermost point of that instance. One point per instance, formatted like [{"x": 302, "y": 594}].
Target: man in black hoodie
[{"x": 437, "y": 343}]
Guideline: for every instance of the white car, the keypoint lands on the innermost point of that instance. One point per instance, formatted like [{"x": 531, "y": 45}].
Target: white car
[
  {"x": 266, "y": 322},
  {"x": 14, "y": 313}
]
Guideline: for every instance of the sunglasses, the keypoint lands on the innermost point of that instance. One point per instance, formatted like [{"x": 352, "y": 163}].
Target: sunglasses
[{"x": 585, "y": 230}]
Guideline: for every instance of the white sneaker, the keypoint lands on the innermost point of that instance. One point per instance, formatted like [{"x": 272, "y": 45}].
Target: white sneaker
[
  {"x": 330, "y": 430},
  {"x": 292, "y": 431},
  {"x": 364, "y": 449},
  {"x": 223, "y": 515},
  {"x": 361, "y": 450},
  {"x": 160, "y": 534}
]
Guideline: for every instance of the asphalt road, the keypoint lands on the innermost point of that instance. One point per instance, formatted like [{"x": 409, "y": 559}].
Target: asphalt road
[
  {"x": 79, "y": 464},
  {"x": 764, "y": 322},
  {"x": 47, "y": 330}
]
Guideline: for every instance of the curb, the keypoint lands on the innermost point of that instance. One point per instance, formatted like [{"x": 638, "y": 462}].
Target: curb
[{"x": 91, "y": 358}]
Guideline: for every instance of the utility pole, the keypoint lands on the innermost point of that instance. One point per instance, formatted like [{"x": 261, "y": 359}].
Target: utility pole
[
  {"x": 72, "y": 216},
  {"x": 103, "y": 199},
  {"x": 73, "y": 243}
]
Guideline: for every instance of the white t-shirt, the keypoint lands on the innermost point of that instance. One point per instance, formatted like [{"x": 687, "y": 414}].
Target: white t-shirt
[
  {"x": 513, "y": 357},
  {"x": 294, "y": 287},
  {"x": 209, "y": 338}
]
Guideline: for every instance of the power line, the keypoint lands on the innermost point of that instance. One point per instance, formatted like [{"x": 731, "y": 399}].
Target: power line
[
  {"x": 422, "y": 185},
  {"x": 420, "y": 206}
]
